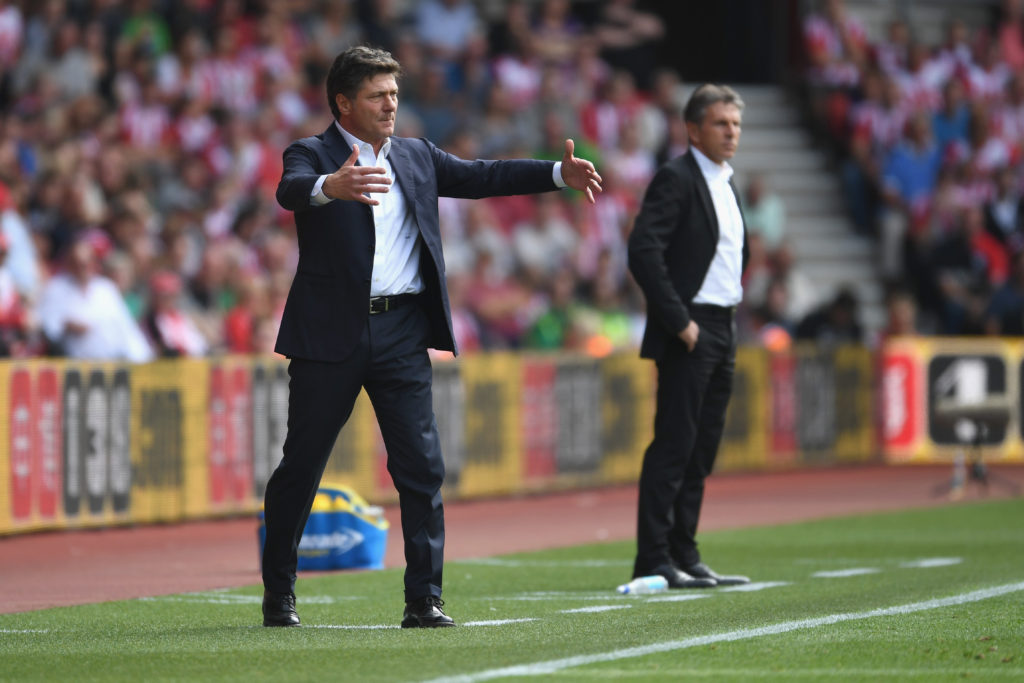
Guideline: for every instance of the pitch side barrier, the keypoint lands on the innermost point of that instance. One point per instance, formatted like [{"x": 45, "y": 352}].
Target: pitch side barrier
[{"x": 96, "y": 444}]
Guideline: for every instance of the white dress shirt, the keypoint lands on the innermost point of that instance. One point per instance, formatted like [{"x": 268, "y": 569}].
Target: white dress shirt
[
  {"x": 721, "y": 285},
  {"x": 111, "y": 332},
  {"x": 396, "y": 258}
]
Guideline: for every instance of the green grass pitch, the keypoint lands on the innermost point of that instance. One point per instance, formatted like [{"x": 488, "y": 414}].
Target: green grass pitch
[{"x": 926, "y": 595}]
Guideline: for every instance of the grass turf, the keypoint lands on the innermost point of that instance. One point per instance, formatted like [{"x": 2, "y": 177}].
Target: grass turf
[{"x": 215, "y": 635}]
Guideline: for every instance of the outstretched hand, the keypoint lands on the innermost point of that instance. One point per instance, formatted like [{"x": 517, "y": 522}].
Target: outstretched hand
[
  {"x": 579, "y": 174},
  {"x": 356, "y": 182}
]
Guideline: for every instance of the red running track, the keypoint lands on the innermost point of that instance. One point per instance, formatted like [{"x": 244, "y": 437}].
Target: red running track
[{"x": 69, "y": 568}]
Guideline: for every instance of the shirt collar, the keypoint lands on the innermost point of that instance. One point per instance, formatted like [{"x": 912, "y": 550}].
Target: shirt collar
[
  {"x": 364, "y": 147},
  {"x": 710, "y": 169}
]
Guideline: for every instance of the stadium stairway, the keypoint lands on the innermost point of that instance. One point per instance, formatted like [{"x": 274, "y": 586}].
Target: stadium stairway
[{"x": 776, "y": 144}]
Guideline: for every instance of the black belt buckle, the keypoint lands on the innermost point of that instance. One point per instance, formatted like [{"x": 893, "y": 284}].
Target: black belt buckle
[{"x": 379, "y": 304}]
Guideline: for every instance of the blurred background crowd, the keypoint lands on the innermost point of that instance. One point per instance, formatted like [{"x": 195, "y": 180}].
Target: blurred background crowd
[
  {"x": 931, "y": 143},
  {"x": 141, "y": 141}
]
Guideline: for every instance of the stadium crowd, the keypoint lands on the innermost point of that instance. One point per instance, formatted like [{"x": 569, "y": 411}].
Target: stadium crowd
[
  {"x": 932, "y": 142},
  {"x": 140, "y": 149}
]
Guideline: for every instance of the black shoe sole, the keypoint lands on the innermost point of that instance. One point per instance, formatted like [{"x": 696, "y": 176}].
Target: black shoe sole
[
  {"x": 282, "y": 624},
  {"x": 416, "y": 623}
]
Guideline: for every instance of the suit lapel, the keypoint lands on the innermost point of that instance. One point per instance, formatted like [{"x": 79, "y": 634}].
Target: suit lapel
[
  {"x": 337, "y": 149},
  {"x": 704, "y": 193},
  {"x": 402, "y": 166}
]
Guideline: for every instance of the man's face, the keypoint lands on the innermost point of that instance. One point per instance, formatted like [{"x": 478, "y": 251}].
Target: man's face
[
  {"x": 718, "y": 135},
  {"x": 371, "y": 115}
]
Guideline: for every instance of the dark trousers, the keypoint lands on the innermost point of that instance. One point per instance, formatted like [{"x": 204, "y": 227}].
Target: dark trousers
[
  {"x": 693, "y": 393},
  {"x": 391, "y": 362}
]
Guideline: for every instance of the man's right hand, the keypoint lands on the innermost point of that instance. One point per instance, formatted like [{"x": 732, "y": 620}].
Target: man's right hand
[
  {"x": 690, "y": 334},
  {"x": 356, "y": 182}
]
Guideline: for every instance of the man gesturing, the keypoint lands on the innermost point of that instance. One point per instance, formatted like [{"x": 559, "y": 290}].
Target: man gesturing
[{"x": 368, "y": 299}]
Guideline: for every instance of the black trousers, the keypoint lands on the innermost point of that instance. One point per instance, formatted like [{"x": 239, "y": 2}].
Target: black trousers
[
  {"x": 391, "y": 362},
  {"x": 693, "y": 393}
]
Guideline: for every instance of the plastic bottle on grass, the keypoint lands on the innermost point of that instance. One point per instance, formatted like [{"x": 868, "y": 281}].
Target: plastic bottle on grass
[{"x": 643, "y": 585}]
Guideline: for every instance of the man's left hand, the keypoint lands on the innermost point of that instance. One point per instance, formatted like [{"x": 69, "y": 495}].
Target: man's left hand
[{"x": 580, "y": 174}]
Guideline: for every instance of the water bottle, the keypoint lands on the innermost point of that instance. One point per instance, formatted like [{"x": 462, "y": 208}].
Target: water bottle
[{"x": 643, "y": 585}]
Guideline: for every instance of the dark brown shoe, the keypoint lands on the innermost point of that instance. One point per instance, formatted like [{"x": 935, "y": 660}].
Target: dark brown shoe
[
  {"x": 426, "y": 613},
  {"x": 279, "y": 609}
]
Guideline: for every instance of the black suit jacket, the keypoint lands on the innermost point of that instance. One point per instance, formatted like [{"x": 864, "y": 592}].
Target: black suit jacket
[
  {"x": 671, "y": 248},
  {"x": 328, "y": 303}
]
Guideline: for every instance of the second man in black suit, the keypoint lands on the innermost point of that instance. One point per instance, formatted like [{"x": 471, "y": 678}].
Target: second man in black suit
[
  {"x": 368, "y": 299},
  {"x": 687, "y": 252}
]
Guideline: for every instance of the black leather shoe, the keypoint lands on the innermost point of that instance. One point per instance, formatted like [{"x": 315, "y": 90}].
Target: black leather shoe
[
  {"x": 279, "y": 609},
  {"x": 701, "y": 570},
  {"x": 426, "y": 613},
  {"x": 679, "y": 579}
]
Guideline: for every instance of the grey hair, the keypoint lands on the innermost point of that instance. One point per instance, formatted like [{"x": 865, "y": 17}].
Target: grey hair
[{"x": 706, "y": 95}]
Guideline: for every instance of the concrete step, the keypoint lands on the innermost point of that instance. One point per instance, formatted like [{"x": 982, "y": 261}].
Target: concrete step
[
  {"x": 768, "y": 138},
  {"x": 777, "y": 161},
  {"x": 829, "y": 248}
]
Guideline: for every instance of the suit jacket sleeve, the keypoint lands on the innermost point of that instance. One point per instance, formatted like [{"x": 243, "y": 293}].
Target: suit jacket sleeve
[
  {"x": 485, "y": 178},
  {"x": 301, "y": 171},
  {"x": 657, "y": 226}
]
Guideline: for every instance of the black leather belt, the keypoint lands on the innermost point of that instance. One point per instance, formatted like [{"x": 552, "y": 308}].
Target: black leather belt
[
  {"x": 383, "y": 304},
  {"x": 712, "y": 311}
]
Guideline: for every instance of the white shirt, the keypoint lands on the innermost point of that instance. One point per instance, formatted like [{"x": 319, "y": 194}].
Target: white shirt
[
  {"x": 721, "y": 285},
  {"x": 396, "y": 257},
  {"x": 112, "y": 333}
]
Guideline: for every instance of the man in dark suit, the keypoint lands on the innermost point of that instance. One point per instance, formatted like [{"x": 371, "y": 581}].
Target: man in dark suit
[
  {"x": 368, "y": 299},
  {"x": 687, "y": 252}
]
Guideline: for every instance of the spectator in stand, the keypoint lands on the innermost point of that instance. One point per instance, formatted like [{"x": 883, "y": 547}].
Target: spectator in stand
[
  {"x": 556, "y": 31},
  {"x": 951, "y": 121},
  {"x": 900, "y": 314},
  {"x": 836, "y": 322},
  {"x": 1005, "y": 314},
  {"x": 876, "y": 123},
  {"x": 83, "y": 315},
  {"x": 17, "y": 336},
  {"x": 445, "y": 28},
  {"x": 1008, "y": 116},
  {"x": 170, "y": 329},
  {"x": 1010, "y": 34},
  {"x": 801, "y": 294},
  {"x": 1004, "y": 214},
  {"x": 629, "y": 38},
  {"x": 893, "y": 53},
  {"x": 836, "y": 46},
  {"x": 764, "y": 213},
  {"x": 243, "y": 320},
  {"x": 909, "y": 179},
  {"x": 557, "y": 327}
]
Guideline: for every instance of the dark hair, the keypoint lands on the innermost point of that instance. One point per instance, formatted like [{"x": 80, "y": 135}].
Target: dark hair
[
  {"x": 706, "y": 95},
  {"x": 352, "y": 67}
]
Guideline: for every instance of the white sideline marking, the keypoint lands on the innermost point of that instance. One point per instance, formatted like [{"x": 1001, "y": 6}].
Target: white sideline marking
[
  {"x": 681, "y": 597},
  {"x": 551, "y": 666},
  {"x": 24, "y": 630},
  {"x": 499, "y": 562},
  {"x": 595, "y": 608},
  {"x": 352, "y": 627},
  {"x": 842, "y": 573},
  {"x": 551, "y": 595},
  {"x": 498, "y": 622},
  {"x": 234, "y": 599},
  {"x": 930, "y": 562},
  {"x": 751, "y": 587},
  {"x": 378, "y": 627}
]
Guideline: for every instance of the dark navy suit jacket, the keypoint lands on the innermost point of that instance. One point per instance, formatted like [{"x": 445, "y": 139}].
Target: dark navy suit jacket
[{"x": 328, "y": 305}]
